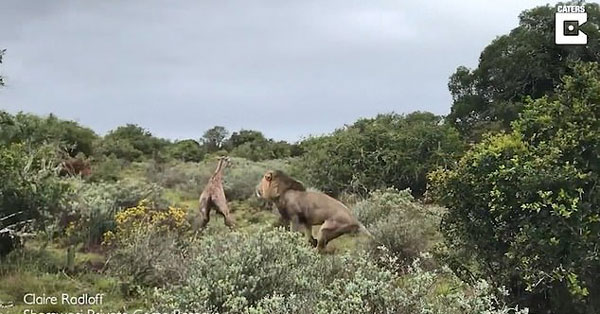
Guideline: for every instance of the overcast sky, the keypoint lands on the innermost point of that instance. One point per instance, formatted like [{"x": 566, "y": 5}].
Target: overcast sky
[{"x": 287, "y": 68}]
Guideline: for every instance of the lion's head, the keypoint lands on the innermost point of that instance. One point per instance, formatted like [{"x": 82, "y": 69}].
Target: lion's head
[{"x": 274, "y": 183}]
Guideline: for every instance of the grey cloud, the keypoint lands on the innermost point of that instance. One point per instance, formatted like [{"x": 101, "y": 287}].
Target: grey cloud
[{"x": 287, "y": 68}]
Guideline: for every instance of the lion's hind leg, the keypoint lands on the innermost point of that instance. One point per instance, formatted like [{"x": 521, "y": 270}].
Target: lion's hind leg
[{"x": 332, "y": 229}]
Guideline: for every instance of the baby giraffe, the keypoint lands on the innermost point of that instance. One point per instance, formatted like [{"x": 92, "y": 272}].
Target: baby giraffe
[{"x": 213, "y": 196}]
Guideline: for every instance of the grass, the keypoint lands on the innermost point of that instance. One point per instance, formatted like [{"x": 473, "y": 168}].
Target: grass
[
  {"x": 43, "y": 271},
  {"x": 38, "y": 270}
]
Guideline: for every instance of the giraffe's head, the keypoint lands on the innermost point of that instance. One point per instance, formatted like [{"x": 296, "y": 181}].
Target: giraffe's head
[{"x": 224, "y": 161}]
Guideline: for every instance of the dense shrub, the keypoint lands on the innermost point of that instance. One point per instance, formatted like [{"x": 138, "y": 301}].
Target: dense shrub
[
  {"x": 36, "y": 130},
  {"x": 253, "y": 145},
  {"x": 276, "y": 272},
  {"x": 131, "y": 142},
  {"x": 389, "y": 150},
  {"x": 525, "y": 206},
  {"x": 30, "y": 191},
  {"x": 107, "y": 168},
  {"x": 186, "y": 150},
  {"x": 236, "y": 270},
  {"x": 117, "y": 148},
  {"x": 186, "y": 177},
  {"x": 264, "y": 150},
  {"x": 147, "y": 245},
  {"x": 94, "y": 205},
  {"x": 526, "y": 62},
  {"x": 405, "y": 227}
]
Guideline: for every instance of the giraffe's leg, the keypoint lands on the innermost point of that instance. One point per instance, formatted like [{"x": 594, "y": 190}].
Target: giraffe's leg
[
  {"x": 204, "y": 210},
  {"x": 223, "y": 209}
]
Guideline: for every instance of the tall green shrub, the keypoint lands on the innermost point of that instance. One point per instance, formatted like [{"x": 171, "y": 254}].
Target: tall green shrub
[
  {"x": 396, "y": 220},
  {"x": 277, "y": 272},
  {"x": 37, "y": 130},
  {"x": 525, "y": 206},
  {"x": 30, "y": 191},
  {"x": 389, "y": 150},
  {"x": 93, "y": 206}
]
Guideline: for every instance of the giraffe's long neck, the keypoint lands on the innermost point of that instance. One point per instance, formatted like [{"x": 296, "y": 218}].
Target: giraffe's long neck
[{"x": 218, "y": 175}]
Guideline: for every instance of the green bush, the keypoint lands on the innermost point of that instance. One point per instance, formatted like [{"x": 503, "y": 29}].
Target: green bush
[
  {"x": 264, "y": 150},
  {"x": 117, "y": 148},
  {"x": 237, "y": 270},
  {"x": 107, "y": 168},
  {"x": 524, "y": 208},
  {"x": 132, "y": 143},
  {"x": 35, "y": 130},
  {"x": 406, "y": 228},
  {"x": 147, "y": 245},
  {"x": 526, "y": 62},
  {"x": 186, "y": 150},
  {"x": 276, "y": 272},
  {"x": 30, "y": 191},
  {"x": 94, "y": 205},
  {"x": 253, "y": 145},
  {"x": 389, "y": 150},
  {"x": 187, "y": 177}
]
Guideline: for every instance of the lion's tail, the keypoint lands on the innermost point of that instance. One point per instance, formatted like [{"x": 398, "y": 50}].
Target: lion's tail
[{"x": 363, "y": 229}]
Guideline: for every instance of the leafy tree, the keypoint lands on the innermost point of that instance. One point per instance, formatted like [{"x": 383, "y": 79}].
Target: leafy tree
[
  {"x": 243, "y": 136},
  {"x": 390, "y": 150},
  {"x": 30, "y": 191},
  {"x": 523, "y": 63},
  {"x": 214, "y": 138},
  {"x": 186, "y": 150},
  {"x": 36, "y": 130},
  {"x": 524, "y": 207},
  {"x": 121, "y": 149},
  {"x": 255, "y": 146},
  {"x": 131, "y": 142}
]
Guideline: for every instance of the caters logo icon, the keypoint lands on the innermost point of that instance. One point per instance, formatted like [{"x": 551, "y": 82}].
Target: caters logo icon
[{"x": 568, "y": 20}]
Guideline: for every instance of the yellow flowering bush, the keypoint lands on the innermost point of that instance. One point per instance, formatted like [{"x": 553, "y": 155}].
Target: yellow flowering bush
[
  {"x": 93, "y": 206},
  {"x": 143, "y": 218},
  {"x": 148, "y": 244}
]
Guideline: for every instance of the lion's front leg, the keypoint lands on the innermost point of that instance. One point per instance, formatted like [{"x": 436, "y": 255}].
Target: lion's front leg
[
  {"x": 301, "y": 226},
  {"x": 283, "y": 222},
  {"x": 284, "y": 218},
  {"x": 296, "y": 226}
]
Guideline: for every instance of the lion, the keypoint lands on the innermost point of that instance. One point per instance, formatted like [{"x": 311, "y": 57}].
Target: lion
[{"x": 307, "y": 208}]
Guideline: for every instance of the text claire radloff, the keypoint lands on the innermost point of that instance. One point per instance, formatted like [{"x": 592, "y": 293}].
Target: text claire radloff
[{"x": 81, "y": 300}]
